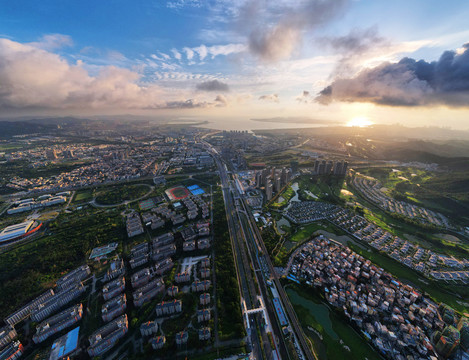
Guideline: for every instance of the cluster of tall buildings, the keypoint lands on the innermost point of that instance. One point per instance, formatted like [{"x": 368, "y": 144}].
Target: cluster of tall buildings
[
  {"x": 273, "y": 180},
  {"x": 323, "y": 167}
]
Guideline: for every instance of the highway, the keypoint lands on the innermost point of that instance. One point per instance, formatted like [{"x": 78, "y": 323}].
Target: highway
[
  {"x": 247, "y": 288},
  {"x": 301, "y": 337},
  {"x": 246, "y": 236}
]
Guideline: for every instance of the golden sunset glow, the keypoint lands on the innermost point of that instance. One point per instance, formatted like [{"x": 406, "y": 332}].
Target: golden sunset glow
[{"x": 359, "y": 121}]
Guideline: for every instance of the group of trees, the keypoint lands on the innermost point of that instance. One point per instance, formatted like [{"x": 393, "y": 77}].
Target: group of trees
[
  {"x": 120, "y": 193},
  {"x": 230, "y": 319},
  {"x": 28, "y": 270}
]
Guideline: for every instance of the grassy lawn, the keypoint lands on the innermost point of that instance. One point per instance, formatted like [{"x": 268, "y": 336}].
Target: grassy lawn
[
  {"x": 378, "y": 219},
  {"x": 83, "y": 196},
  {"x": 312, "y": 312},
  {"x": 286, "y": 196},
  {"x": 302, "y": 234},
  {"x": 305, "y": 232}
]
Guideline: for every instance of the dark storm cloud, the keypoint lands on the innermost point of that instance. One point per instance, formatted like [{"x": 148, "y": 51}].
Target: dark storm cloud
[
  {"x": 213, "y": 85},
  {"x": 282, "y": 28},
  {"x": 407, "y": 83}
]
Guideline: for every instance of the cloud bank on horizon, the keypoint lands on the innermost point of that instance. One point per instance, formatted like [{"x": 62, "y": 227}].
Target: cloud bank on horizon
[
  {"x": 407, "y": 83},
  {"x": 255, "y": 54}
]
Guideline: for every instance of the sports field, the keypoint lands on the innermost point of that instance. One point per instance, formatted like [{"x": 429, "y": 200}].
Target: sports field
[{"x": 177, "y": 193}]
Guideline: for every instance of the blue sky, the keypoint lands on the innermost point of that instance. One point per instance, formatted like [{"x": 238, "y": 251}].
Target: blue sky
[{"x": 273, "y": 57}]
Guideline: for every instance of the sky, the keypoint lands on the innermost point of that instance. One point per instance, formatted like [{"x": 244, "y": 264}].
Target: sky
[{"x": 330, "y": 60}]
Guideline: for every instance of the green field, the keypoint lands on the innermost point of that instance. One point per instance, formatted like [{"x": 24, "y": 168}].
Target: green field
[
  {"x": 83, "y": 196},
  {"x": 119, "y": 193},
  {"x": 305, "y": 232},
  {"x": 285, "y": 196},
  {"x": 279, "y": 158},
  {"x": 325, "y": 188}
]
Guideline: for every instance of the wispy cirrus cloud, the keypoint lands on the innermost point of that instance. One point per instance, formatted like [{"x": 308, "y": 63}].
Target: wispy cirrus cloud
[{"x": 51, "y": 42}]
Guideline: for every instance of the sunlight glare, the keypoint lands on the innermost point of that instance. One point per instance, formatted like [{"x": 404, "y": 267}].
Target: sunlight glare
[{"x": 359, "y": 121}]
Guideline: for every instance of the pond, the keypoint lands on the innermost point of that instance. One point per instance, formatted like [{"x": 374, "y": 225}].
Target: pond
[
  {"x": 309, "y": 193},
  {"x": 295, "y": 188},
  {"x": 319, "y": 311},
  {"x": 282, "y": 222}
]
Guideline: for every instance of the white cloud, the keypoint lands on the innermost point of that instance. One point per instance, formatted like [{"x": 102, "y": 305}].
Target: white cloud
[
  {"x": 226, "y": 49},
  {"x": 53, "y": 41},
  {"x": 164, "y": 56},
  {"x": 176, "y": 54},
  {"x": 156, "y": 57},
  {"x": 189, "y": 53},
  {"x": 201, "y": 51}
]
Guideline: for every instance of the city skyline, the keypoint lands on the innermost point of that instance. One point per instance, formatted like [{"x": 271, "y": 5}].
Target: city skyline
[{"x": 346, "y": 62}]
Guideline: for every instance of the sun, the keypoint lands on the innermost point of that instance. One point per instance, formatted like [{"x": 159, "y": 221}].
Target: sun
[{"x": 359, "y": 121}]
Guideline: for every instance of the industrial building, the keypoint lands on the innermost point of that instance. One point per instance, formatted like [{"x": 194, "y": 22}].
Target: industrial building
[{"x": 40, "y": 202}]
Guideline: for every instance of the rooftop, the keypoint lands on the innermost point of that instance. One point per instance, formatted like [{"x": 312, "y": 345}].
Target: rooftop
[{"x": 65, "y": 344}]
